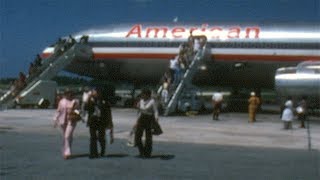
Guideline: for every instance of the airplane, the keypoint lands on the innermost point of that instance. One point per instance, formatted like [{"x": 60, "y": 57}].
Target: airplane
[{"x": 241, "y": 55}]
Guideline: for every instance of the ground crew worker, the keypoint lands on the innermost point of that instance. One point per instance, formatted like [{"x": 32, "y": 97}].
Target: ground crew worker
[
  {"x": 253, "y": 106},
  {"x": 287, "y": 114},
  {"x": 217, "y": 99},
  {"x": 301, "y": 111}
]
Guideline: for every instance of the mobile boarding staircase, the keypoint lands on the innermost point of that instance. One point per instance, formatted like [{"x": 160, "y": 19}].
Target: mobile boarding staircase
[
  {"x": 49, "y": 68},
  {"x": 185, "y": 85}
]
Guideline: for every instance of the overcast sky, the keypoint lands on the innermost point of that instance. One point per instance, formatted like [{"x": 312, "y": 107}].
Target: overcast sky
[{"x": 27, "y": 27}]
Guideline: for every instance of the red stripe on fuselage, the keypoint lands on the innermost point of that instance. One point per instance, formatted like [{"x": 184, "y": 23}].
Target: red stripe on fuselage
[
  {"x": 45, "y": 55},
  {"x": 133, "y": 56},
  {"x": 222, "y": 57},
  {"x": 242, "y": 57}
]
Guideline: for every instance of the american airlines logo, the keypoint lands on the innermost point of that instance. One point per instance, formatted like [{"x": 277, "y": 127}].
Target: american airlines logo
[{"x": 214, "y": 32}]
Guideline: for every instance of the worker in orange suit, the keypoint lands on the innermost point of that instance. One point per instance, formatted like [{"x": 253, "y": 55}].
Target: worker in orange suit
[{"x": 254, "y": 102}]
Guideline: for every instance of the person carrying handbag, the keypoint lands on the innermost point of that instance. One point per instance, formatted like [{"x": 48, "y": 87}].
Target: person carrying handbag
[
  {"x": 67, "y": 105},
  {"x": 148, "y": 114}
]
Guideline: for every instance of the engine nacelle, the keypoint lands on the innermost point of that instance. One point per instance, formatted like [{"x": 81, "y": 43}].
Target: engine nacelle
[{"x": 303, "y": 80}]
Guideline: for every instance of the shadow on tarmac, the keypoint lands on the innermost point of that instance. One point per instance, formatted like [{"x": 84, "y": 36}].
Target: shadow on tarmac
[
  {"x": 162, "y": 157},
  {"x": 119, "y": 155},
  {"x": 122, "y": 155},
  {"x": 75, "y": 156}
]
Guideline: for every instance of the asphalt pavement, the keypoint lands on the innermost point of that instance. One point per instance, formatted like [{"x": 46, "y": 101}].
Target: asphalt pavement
[{"x": 194, "y": 147}]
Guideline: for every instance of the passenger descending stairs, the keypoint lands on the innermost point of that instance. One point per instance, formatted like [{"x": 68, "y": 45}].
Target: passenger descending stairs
[
  {"x": 49, "y": 69},
  {"x": 185, "y": 83}
]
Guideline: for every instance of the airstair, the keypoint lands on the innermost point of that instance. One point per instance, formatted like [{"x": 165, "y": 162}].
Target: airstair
[
  {"x": 49, "y": 68},
  {"x": 185, "y": 85}
]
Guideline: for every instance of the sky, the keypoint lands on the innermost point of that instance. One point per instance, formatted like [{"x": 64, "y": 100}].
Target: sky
[{"x": 27, "y": 27}]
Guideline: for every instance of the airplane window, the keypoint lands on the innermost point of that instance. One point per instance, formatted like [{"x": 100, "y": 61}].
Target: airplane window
[
  {"x": 286, "y": 45},
  {"x": 281, "y": 46}
]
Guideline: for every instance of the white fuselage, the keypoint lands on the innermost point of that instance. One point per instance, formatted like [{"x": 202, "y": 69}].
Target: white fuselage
[{"x": 141, "y": 52}]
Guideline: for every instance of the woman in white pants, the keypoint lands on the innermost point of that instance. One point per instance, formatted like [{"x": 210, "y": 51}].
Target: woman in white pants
[{"x": 62, "y": 118}]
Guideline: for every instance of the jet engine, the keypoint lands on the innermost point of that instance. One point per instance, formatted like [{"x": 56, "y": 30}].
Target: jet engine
[{"x": 303, "y": 80}]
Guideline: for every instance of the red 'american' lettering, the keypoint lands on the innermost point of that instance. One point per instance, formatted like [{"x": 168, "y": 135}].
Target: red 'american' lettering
[{"x": 215, "y": 32}]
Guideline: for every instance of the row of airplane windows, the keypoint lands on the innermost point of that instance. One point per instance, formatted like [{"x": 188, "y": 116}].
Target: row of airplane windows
[{"x": 259, "y": 45}]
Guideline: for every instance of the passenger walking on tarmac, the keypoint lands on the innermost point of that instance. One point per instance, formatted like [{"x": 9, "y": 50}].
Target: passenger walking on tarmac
[
  {"x": 254, "y": 102},
  {"x": 217, "y": 99},
  {"x": 302, "y": 111},
  {"x": 100, "y": 119},
  {"x": 84, "y": 104},
  {"x": 148, "y": 113},
  {"x": 66, "y": 106},
  {"x": 287, "y": 114}
]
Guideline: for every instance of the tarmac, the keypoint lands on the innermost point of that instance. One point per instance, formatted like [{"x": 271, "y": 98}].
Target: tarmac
[{"x": 191, "y": 147}]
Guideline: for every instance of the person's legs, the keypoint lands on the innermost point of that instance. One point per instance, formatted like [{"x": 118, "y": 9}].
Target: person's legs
[
  {"x": 63, "y": 128},
  {"x": 302, "y": 123},
  {"x": 138, "y": 140},
  {"x": 214, "y": 113},
  {"x": 102, "y": 140},
  {"x": 254, "y": 115},
  {"x": 302, "y": 118},
  {"x": 131, "y": 138},
  {"x": 68, "y": 137},
  {"x": 218, "y": 111},
  {"x": 286, "y": 125},
  {"x": 251, "y": 115},
  {"x": 148, "y": 143},
  {"x": 290, "y": 125},
  {"x": 93, "y": 142}
]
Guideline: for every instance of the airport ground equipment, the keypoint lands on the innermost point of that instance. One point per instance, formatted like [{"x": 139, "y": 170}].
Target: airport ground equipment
[
  {"x": 184, "y": 95},
  {"x": 49, "y": 68}
]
